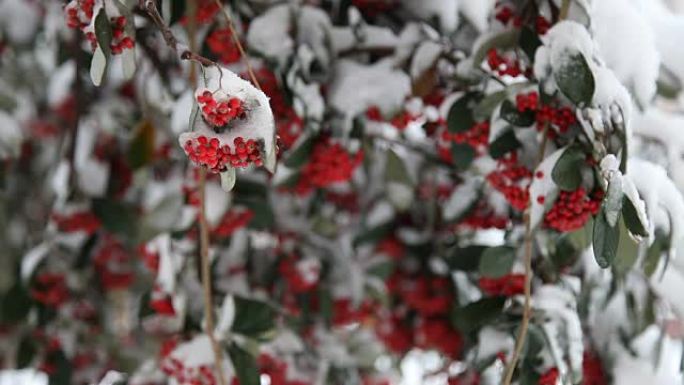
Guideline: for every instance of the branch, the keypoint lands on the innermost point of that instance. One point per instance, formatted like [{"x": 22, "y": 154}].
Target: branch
[
  {"x": 183, "y": 52},
  {"x": 527, "y": 306}
]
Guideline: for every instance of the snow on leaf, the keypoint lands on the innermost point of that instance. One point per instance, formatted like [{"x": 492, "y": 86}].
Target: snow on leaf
[
  {"x": 543, "y": 191},
  {"x": 461, "y": 199},
  {"x": 32, "y": 259},
  {"x": 575, "y": 80},
  {"x": 98, "y": 66},
  {"x": 226, "y": 317},
  {"x": 228, "y": 179}
]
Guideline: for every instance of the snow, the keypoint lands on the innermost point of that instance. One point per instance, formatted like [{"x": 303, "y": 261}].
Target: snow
[
  {"x": 424, "y": 57},
  {"x": 627, "y": 44},
  {"x": 477, "y": 12},
  {"x": 19, "y": 20},
  {"x": 462, "y": 198},
  {"x": 269, "y": 33},
  {"x": 664, "y": 202},
  {"x": 226, "y": 317},
  {"x": 356, "y": 87},
  {"x": 543, "y": 187},
  {"x": 11, "y": 136}
]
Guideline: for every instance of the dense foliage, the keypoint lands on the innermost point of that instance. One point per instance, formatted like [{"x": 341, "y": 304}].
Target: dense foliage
[{"x": 488, "y": 189}]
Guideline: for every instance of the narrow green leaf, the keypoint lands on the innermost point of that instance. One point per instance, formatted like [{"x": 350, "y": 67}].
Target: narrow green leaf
[
  {"x": 575, "y": 80},
  {"x": 25, "y": 352},
  {"x": 529, "y": 42},
  {"x": 460, "y": 116},
  {"x": 476, "y": 314},
  {"x": 103, "y": 32},
  {"x": 252, "y": 318},
  {"x": 116, "y": 216},
  {"x": 567, "y": 173},
  {"x": 504, "y": 144},
  {"x": 245, "y": 365},
  {"x": 300, "y": 154},
  {"x": 632, "y": 221},
  {"x": 509, "y": 112},
  {"x": 497, "y": 261},
  {"x": 462, "y": 155},
  {"x": 465, "y": 258},
  {"x": 605, "y": 240},
  {"x": 395, "y": 169},
  {"x": 141, "y": 150},
  {"x": 15, "y": 304}
]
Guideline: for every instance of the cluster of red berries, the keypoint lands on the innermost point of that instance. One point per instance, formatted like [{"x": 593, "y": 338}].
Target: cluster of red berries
[
  {"x": 329, "y": 163},
  {"x": 162, "y": 303},
  {"x": 400, "y": 120},
  {"x": 372, "y": 8},
  {"x": 275, "y": 370},
  {"x": 592, "y": 370},
  {"x": 345, "y": 312},
  {"x": 483, "y": 217},
  {"x": 348, "y": 201},
  {"x": 79, "y": 13},
  {"x": 50, "y": 289},
  {"x": 505, "y": 14},
  {"x": 503, "y": 65},
  {"x": 218, "y": 112},
  {"x": 206, "y": 10},
  {"x": 511, "y": 179},
  {"x": 572, "y": 209},
  {"x": 113, "y": 264},
  {"x": 395, "y": 334},
  {"x": 120, "y": 41},
  {"x": 561, "y": 118},
  {"x": 541, "y": 25},
  {"x": 220, "y": 43},
  {"x": 507, "y": 285},
  {"x": 81, "y": 221},
  {"x": 210, "y": 154},
  {"x": 550, "y": 377},
  {"x": 392, "y": 247},
  {"x": 476, "y": 137},
  {"x": 233, "y": 220},
  {"x": 302, "y": 275},
  {"x": 201, "y": 375},
  {"x": 149, "y": 257},
  {"x": 437, "y": 333},
  {"x": 525, "y": 102},
  {"x": 429, "y": 296}
]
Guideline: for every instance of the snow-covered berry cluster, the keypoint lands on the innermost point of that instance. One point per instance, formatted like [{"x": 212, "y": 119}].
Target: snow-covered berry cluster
[
  {"x": 329, "y": 163},
  {"x": 79, "y": 13},
  {"x": 220, "y": 43},
  {"x": 218, "y": 109},
  {"x": 120, "y": 41},
  {"x": 210, "y": 153},
  {"x": 511, "y": 179}
]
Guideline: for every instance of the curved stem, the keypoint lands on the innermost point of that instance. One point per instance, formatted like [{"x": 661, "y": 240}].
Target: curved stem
[
  {"x": 236, "y": 39},
  {"x": 527, "y": 306}
]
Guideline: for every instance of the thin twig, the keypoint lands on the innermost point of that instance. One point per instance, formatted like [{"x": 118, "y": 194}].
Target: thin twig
[
  {"x": 527, "y": 306},
  {"x": 184, "y": 54},
  {"x": 236, "y": 39},
  {"x": 203, "y": 225}
]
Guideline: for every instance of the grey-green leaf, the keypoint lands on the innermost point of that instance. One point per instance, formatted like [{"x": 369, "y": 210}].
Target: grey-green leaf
[
  {"x": 567, "y": 173},
  {"x": 605, "y": 240},
  {"x": 575, "y": 79},
  {"x": 497, "y": 261}
]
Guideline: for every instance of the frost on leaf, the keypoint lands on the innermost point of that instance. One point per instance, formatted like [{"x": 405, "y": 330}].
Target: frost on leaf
[{"x": 232, "y": 127}]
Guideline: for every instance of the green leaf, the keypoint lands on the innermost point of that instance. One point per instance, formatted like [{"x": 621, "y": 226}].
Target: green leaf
[
  {"x": 632, "y": 221},
  {"x": 116, "y": 216},
  {"x": 395, "y": 169},
  {"x": 476, "y": 314},
  {"x": 605, "y": 240},
  {"x": 509, "y": 112},
  {"x": 374, "y": 234},
  {"x": 466, "y": 258},
  {"x": 567, "y": 173},
  {"x": 504, "y": 144},
  {"x": 497, "y": 261},
  {"x": 141, "y": 150},
  {"x": 462, "y": 155},
  {"x": 26, "y": 351},
  {"x": 575, "y": 80},
  {"x": 15, "y": 304},
  {"x": 299, "y": 155},
  {"x": 245, "y": 365},
  {"x": 62, "y": 374},
  {"x": 650, "y": 263},
  {"x": 483, "y": 109},
  {"x": 529, "y": 42},
  {"x": 381, "y": 270},
  {"x": 460, "y": 116},
  {"x": 103, "y": 32},
  {"x": 504, "y": 39},
  {"x": 228, "y": 179},
  {"x": 263, "y": 213},
  {"x": 627, "y": 253},
  {"x": 253, "y": 318}
]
